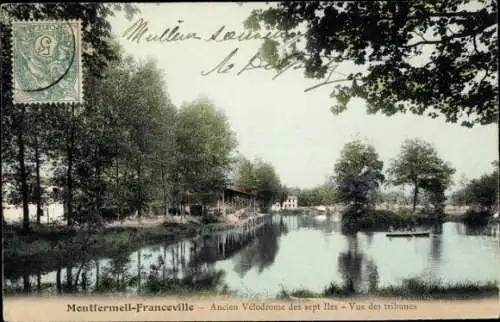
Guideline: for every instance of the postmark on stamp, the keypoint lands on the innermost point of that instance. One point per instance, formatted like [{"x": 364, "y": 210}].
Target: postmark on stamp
[{"x": 46, "y": 58}]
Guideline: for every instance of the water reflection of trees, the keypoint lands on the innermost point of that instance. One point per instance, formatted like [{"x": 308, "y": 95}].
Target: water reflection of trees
[
  {"x": 359, "y": 273},
  {"x": 114, "y": 277},
  {"x": 184, "y": 266},
  {"x": 327, "y": 225},
  {"x": 436, "y": 243},
  {"x": 261, "y": 253}
]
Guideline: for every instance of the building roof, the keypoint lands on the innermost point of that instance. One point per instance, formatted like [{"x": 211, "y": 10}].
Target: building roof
[
  {"x": 292, "y": 197},
  {"x": 234, "y": 189}
]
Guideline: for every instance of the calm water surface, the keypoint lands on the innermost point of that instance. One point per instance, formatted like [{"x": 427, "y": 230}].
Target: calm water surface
[{"x": 288, "y": 252}]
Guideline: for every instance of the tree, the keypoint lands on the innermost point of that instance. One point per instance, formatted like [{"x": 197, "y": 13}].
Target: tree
[
  {"x": 17, "y": 138},
  {"x": 245, "y": 176},
  {"x": 268, "y": 184},
  {"x": 358, "y": 174},
  {"x": 482, "y": 191},
  {"x": 205, "y": 146},
  {"x": 150, "y": 124},
  {"x": 261, "y": 178},
  {"x": 436, "y": 58},
  {"x": 418, "y": 164},
  {"x": 283, "y": 194},
  {"x": 324, "y": 194}
]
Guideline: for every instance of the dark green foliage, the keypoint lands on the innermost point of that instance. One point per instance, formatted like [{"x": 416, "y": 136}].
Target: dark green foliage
[
  {"x": 375, "y": 219},
  {"x": 454, "y": 41},
  {"x": 410, "y": 288},
  {"x": 476, "y": 217},
  {"x": 31, "y": 136},
  {"x": 413, "y": 288},
  {"x": 260, "y": 177},
  {"x": 125, "y": 147},
  {"x": 204, "y": 146},
  {"x": 358, "y": 174},
  {"x": 419, "y": 164},
  {"x": 334, "y": 290},
  {"x": 481, "y": 193}
]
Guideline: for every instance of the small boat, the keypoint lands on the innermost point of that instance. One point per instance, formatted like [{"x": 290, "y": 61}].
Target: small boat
[{"x": 409, "y": 234}]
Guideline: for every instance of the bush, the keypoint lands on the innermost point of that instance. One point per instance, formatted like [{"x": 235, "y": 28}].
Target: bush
[
  {"x": 416, "y": 288},
  {"x": 476, "y": 216},
  {"x": 335, "y": 290},
  {"x": 378, "y": 219}
]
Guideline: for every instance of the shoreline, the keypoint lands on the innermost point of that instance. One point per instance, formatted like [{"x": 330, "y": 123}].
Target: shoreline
[
  {"x": 52, "y": 246},
  {"x": 46, "y": 245}
]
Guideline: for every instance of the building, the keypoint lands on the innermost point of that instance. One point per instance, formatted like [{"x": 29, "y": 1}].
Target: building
[
  {"x": 237, "y": 199},
  {"x": 291, "y": 202}
]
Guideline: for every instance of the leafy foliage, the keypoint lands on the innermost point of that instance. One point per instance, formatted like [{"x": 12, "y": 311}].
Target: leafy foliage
[
  {"x": 358, "y": 174},
  {"x": 205, "y": 144},
  {"x": 435, "y": 58},
  {"x": 482, "y": 191},
  {"x": 418, "y": 164},
  {"x": 324, "y": 194},
  {"x": 126, "y": 147},
  {"x": 31, "y": 136},
  {"x": 261, "y": 178}
]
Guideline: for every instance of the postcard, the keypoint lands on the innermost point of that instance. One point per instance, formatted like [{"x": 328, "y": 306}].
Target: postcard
[{"x": 249, "y": 161}]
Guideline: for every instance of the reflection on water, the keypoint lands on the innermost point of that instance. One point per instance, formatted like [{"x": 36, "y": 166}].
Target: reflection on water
[{"x": 298, "y": 251}]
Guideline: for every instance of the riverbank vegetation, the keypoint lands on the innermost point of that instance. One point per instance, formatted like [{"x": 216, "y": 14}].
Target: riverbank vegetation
[
  {"x": 49, "y": 247},
  {"x": 412, "y": 288},
  {"x": 359, "y": 178},
  {"x": 480, "y": 195}
]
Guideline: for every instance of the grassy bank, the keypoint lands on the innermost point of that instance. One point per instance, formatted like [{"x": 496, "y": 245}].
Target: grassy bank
[
  {"x": 46, "y": 248},
  {"x": 409, "y": 289}
]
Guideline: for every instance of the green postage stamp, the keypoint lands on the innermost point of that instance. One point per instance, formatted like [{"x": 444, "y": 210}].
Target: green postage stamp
[{"x": 46, "y": 59}]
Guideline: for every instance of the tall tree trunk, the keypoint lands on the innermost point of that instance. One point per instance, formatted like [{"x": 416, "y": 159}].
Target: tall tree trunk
[
  {"x": 139, "y": 192},
  {"x": 39, "y": 281},
  {"x": 2, "y": 32},
  {"x": 98, "y": 177},
  {"x": 23, "y": 176},
  {"x": 69, "y": 278},
  {"x": 26, "y": 283},
  {"x": 1, "y": 178},
  {"x": 69, "y": 177},
  {"x": 118, "y": 191},
  {"x": 415, "y": 196},
  {"x": 164, "y": 189},
  {"x": 97, "y": 274},
  {"x": 58, "y": 281},
  {"x": 164, "y": 273},
  {"x": 38, "y": 191},
  {"x": 84, "y": 281}
]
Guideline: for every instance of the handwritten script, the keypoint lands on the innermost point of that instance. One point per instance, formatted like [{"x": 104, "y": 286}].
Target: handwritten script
[{"x": 140, "y": 32}]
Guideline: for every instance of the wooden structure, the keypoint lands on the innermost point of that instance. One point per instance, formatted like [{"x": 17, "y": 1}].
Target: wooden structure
[{"x": 237, "y": 199}]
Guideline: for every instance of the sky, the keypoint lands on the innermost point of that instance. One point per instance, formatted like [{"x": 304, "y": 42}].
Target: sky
[{"x": 275, "y": 120}]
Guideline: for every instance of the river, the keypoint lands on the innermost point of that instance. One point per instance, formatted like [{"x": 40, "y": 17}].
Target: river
[{"x": 286, "y": 252}]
